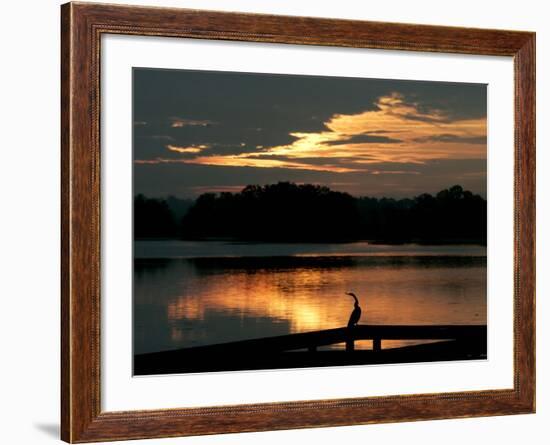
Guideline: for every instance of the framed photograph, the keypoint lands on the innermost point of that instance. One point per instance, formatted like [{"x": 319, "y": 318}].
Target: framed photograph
[{"x": 275, "y": 222}]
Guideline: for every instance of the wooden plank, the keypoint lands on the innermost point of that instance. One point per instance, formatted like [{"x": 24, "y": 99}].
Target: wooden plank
[
  {"x": 308, "y": 340},
  {"x": 240, "y": 360},
  {"x": 295, "y": 350}
]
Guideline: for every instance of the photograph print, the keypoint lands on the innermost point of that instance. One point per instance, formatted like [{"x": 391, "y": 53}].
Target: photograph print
[{"x": 292, "y": 221}]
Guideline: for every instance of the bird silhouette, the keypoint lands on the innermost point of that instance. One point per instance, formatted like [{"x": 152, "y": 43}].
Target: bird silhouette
[{"x": 356, "y": 313}]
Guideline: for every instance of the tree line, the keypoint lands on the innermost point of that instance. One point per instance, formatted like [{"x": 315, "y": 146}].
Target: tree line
[{"x": 288, "y": 212}]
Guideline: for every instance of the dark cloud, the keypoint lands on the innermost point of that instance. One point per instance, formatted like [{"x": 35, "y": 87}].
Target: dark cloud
[
  {"x": 455, "y": 101},
  {"x": 180, "y": 122},
  {"x": 241, "y": 113},
  {"x": 162, "y": 137},
  {"x": 348, "y": 162},
  {"x": 365, "y": 139},
  {"x": 454, "y": 138},
  {"x": 223, "y": 138},
  {"x": 228, "y": 149},
  {"x": 242, "y": 103}
]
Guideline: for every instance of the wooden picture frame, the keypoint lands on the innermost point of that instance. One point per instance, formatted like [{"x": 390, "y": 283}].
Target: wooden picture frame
[{"x": 82, "y": 26}]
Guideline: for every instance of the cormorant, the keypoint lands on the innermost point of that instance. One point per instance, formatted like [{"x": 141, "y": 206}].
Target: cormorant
[{"x": 356, "y": 313}]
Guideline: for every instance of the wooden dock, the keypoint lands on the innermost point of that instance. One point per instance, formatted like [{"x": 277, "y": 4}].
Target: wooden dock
[{"x": 454, "y": 342}]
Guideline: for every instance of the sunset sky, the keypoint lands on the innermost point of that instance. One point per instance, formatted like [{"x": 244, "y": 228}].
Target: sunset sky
[{"x": 199, "y": 131}]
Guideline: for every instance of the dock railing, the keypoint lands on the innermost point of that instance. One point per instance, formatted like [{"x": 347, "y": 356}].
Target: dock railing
[
  {"x": 452, "y": 342},
  {"x": 377, "y": 333}
]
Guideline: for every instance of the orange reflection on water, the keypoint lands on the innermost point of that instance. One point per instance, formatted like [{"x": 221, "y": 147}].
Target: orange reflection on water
[{"x": 308, "y": 298}]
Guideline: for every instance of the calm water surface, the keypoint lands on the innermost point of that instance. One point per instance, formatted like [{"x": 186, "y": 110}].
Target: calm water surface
[{"x": 197, "y": 293}]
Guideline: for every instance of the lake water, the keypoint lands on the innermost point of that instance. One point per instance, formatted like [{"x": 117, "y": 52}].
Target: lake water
[{"x": 198, "y": 293}]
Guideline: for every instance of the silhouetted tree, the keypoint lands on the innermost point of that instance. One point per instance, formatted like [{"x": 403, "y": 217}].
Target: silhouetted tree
[
  {"x": 453, "y": 215},
  {"x": 278, "y": 212},
  {"x": 153, "y": 219},
  {"x": 288, "y": 212}
]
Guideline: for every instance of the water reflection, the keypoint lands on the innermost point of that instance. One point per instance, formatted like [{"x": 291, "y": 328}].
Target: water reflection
[{"x": 196, "y": 301}]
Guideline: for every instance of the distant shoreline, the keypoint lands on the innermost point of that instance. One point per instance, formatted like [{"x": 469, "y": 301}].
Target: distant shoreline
[
  {"x": 442, "y": 242},
  {"x": 155, "y": 248}
]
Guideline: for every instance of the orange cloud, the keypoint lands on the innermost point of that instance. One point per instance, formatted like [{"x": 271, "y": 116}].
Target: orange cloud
[
  {"x": 178, "y": 122},
  {"x": 254, "y": 160},
  {"x": 190, "y": 149}
]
